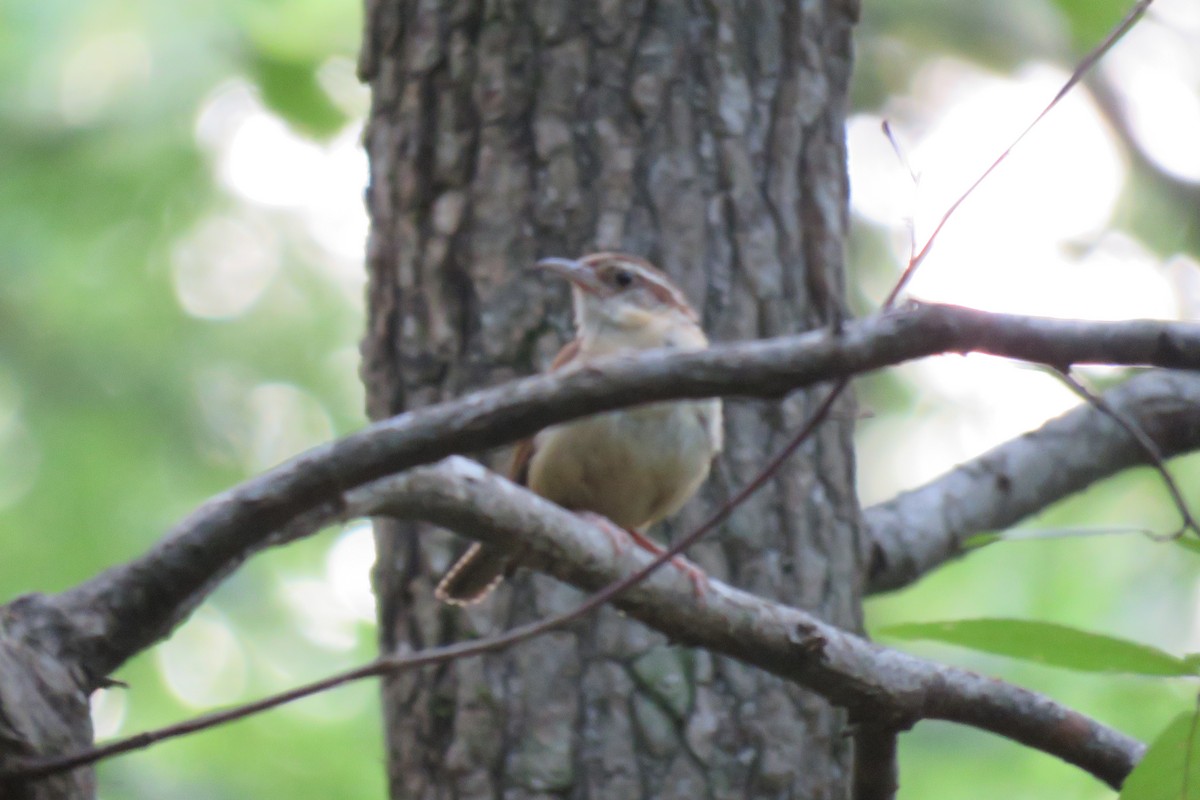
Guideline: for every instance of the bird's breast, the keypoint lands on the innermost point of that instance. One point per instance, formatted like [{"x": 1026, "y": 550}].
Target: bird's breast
[{"x": 634, "y": 466}]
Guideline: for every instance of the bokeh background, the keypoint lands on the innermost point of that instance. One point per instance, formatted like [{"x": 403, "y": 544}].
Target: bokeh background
[{"x": 181, "y": 236}]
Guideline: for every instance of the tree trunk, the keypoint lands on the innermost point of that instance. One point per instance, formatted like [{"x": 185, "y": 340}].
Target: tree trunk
[{"x": 707, "y": 137}]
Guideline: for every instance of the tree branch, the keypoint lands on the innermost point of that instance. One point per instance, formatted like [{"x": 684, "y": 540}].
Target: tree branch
[
  {"x": 879, "y": 686},
  {"x": 921, "y": 529},
  {"x": 874, "y": 683},
  {"x": 127, "y": 608},
  {"x": 876, "y": 770}
]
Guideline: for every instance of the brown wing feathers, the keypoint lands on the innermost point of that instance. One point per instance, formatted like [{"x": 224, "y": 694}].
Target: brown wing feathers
[{"x": 480, "y": 568}]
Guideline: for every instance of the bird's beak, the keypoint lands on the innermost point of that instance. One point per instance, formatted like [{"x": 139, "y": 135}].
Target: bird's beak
[{"x": 575, "y": 271}]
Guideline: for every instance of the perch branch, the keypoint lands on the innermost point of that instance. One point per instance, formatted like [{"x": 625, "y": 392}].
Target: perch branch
[
  {"x": 918, "y": 530},
  {"x": 877, "y": 685},
  {"x": 127, "y": 608}
]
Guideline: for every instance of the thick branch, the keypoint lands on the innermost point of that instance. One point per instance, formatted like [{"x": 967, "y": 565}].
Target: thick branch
[
  {"x": 879, "y": 686},
  {"x": 129, "y": 607},
  {"x": 920, "y": 529},
  {"x": 884, "y": 690}
]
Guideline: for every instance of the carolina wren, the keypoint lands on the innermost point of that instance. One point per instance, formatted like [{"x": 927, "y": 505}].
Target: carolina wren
[{"x": 634, "y": 466}]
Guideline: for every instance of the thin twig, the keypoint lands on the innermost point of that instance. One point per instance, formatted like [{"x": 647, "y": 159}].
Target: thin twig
[
  {"x": 1147, "y": 444},
  {"x": 901, "y": 156},
  {"x": 1077, "y": 532},
  {"x": 1084, "y": 66}
]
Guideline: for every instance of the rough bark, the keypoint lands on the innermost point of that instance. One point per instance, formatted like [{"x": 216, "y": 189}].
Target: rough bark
[
  {"x": 43, "y": 698},
  {"x": 707, "y": 137}
]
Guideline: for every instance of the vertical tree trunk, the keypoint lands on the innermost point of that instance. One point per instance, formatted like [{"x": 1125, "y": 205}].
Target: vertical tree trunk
[{"x": 707, "y": 137}]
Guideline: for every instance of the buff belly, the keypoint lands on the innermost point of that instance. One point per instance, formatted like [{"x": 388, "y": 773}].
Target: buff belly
[{"x": 634, "y": 467}]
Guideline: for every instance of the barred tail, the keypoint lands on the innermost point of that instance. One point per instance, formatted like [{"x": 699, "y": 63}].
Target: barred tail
[{"x": 473, "y": 576}]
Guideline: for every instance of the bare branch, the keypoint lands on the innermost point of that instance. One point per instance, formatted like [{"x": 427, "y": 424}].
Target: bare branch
[
  {"x": 874, "y": 683},
  {"x": 877, "y": 685},
  {"x": 127, "y": 608},
  {"x": 920, "y": 529},
  {"x": 876, "y": 770}
]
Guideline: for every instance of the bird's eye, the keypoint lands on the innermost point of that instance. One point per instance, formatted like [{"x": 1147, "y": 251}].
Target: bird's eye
[{"x": 623, "y": 278}]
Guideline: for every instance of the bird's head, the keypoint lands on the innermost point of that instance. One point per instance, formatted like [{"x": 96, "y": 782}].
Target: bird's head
[{"x": 623, "y": 297}]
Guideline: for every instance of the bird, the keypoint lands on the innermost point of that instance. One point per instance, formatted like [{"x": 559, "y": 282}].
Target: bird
[{"x": 628, "y": 468}]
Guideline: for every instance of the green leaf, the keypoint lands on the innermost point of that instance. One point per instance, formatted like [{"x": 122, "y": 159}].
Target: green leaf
[
  {"x": 1091, "y": 20},
  {"x": 1170, "y": 769},
  {"x": 981, "y": 540},
  {"x": 291, "y": 89},
  {"x": 1048, "y": 643}
]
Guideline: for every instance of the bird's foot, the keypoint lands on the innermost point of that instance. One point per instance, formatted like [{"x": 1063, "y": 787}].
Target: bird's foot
[{"x": 619, "y": 535}]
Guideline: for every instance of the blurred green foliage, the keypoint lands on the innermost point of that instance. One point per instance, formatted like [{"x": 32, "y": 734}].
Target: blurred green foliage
[
  {"x": 1122, "y": 584},
  {"x": 1136, "y": 592},
  {"x": 1048, "y": 643},
  {"x": 122, "y": 407},
  {"x": 120, "y": 411}
]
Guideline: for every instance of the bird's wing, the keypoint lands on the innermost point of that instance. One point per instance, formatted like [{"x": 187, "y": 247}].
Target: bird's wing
[{"x": 518, "y": 470}]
